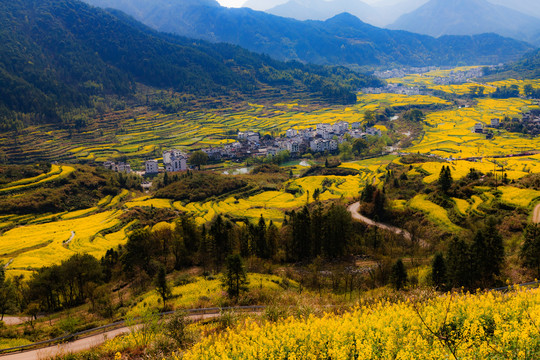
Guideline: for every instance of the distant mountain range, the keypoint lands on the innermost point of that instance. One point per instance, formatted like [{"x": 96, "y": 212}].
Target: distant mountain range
[
  {"x": 466, "y": 17},
  {"x": 343, "y": 39},
  {"x": 381, "y": 13},
  {"x": 55, "y": 55}
]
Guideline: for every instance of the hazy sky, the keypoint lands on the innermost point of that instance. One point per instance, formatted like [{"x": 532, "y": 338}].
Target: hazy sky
[
  {"x": 231, "y": 3},
  {"x": 239, "y": 3}
]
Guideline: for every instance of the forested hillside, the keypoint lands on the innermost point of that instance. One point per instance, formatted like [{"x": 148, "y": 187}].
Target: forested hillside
[
  {"x": 528, "y": 67},
  {"x": 59, "y": 55},
  {"x": 343, "y": 39}
]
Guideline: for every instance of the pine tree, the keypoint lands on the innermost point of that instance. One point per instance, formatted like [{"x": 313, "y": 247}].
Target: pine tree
[
  {"x": 234, "y": 279},
  {"x": 261, "y": 245},
  {"x": 445, "y": 179},
  {"x": 458, "y": 263},
  {"x": 530, "y": 250},
  {"x": 398, "y": 276},
  {"x": 162, "y": 287},
  {"x": 438, "y": 272},
  {"x": 272, "y": 239}
]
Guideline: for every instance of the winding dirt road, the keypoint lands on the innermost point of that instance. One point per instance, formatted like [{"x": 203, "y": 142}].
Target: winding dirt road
[
  {"x": 83, "y": 344},
  {"x": 536, "y": 214},
  {"x": 354, "y": 210}
]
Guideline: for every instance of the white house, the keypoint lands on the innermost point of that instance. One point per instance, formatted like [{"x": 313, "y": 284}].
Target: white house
[
  {"x": 340, "y": 127},
  {"x": 307, "y": 134},
  {"x": 151, "y": 167},
  {"x": 248, "y": 136},
  {"x": 291, "y": 133},
  {"x": 174, "y": 160},
  {"x": 323, "y": 128},
  {"x": 293, "y": 147},
  {"x": 332, "y": 145},
  {"x": 122, "y": 167}
]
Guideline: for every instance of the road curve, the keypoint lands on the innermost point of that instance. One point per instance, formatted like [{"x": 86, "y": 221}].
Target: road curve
[
  {"x": 354, "y": 210},
  {"x": 82, "y": 344},
  {"x": 536, "y": 214}
]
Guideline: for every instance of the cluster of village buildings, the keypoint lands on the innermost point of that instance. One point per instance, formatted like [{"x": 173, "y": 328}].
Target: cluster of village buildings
[{"x": 324, "y": 137}]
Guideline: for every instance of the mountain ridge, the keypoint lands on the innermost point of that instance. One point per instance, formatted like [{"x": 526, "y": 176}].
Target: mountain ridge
[
  {"x": 469, "y": 17},
  {"x": 327, "y": 42}
]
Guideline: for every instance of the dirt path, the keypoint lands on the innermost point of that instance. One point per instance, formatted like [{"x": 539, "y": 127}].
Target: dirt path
[
  {"x": 15, "y": 320},
  {"x": 82, "y": 344},
  {"x": 354, "y": 210},
  {"x": 536, "y": 214}
]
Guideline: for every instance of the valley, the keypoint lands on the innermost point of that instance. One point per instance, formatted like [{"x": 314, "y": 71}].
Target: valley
[{"x": 373, "y": 194}]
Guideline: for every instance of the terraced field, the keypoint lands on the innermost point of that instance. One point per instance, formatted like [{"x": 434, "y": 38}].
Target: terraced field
[{"x": 50, "y": 238}]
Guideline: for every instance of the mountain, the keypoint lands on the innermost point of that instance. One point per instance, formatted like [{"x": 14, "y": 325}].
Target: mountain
[
  {"x": 343, "y": 39},
  {"x": 469, "y": 17},
  {"x": 262, "y": 5},
  {"x": 389, "y": 11},
  {"x": 530, "y": 7},
  {"x": 324, "y": 9},
  {"x": 57, "y": 55}
]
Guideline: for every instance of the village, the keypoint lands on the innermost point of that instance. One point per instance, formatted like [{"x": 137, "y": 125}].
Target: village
[{"x": 250, "y": 144}]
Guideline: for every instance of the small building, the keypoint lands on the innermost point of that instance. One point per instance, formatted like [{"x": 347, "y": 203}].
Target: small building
[
  {"x": 340, "y": 127},
  {"x": 291, "y": 133},
  {"x": 373, "y": 131},
  {"x": 356, "y": 125},
  {"x": 108, "y": 165},
  {"x": 495, "y": 122},
  {"x": 478, "y": 128},
  {"x": 122, "y": 167},
  {"x": 174, "y": 160},
  {"x": 293, "y": 147},
  {"x": 249, "y": 136},
  {"x": 332, "y": 145},
  {"x": 151, "y": 167}
]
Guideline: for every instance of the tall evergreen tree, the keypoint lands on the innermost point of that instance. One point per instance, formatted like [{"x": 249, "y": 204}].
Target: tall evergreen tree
[
  {"x": 398, "y": 276},
  {"x": 530, "y": 250},
  {"x": 301, "y": 234},
  {"x": 445, "y": 179},
  {"x": 235, "y": 278},
  {"x": 272, "y": 239},
  {"x": 487, "y": 254},
  {"x": 162, "y": 287},
  {"x": 438, "y": 272},
  {"x": 261, "y": 248},
  {"x": 337, "y": 227},
  {"x": 458, "y": 263}
]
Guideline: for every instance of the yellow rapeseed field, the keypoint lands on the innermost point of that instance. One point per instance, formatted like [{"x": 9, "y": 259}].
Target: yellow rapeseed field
[{"x": 483, "y": 326}]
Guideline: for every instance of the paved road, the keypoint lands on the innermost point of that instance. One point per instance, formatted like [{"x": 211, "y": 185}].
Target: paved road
[
  {"x": 82, "y": 344},
  {"x": 354, "y": 210},
  {"x": 536, "y": 214}
]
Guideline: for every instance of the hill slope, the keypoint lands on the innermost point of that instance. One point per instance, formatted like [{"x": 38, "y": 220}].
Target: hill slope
[
  {"x": 528, "y": 67},
  {"x": 55, "y": 55},
  {"x": 343, "y": 40},
  {"x": 468, "y": 17}
]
